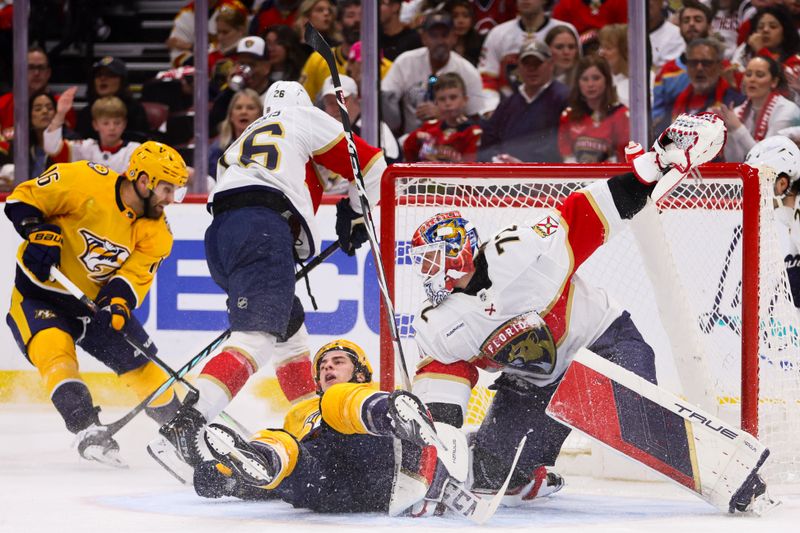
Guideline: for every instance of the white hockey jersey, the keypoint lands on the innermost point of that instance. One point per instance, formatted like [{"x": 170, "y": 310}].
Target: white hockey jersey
[
  {"x": 63, "y": 151},
  {"x": 531, "y": 268},
  {"x": 273, "y": 153}
]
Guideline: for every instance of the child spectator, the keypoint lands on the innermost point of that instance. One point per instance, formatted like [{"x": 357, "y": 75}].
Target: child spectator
[
  {"x": 453, "y": 137},
  {"x": 110, "y": 78},
  {"x": 109, "y": 119}
]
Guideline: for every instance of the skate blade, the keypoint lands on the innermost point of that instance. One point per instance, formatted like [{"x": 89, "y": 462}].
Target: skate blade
[
  {"x": 165, "y": 454},
  {"x": 95, "y": 453},
  {"x": 222, "y": 445}
]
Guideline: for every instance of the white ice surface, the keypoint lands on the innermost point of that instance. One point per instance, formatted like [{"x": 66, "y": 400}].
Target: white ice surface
[{"x": 46, "y": 487}]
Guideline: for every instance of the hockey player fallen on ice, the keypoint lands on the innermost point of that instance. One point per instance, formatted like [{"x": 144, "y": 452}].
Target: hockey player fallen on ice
[
  {"x": 337, "y": 452},
  {"x": 108, "y": 233},
  {"x": 516, "y": 305},
  {"x": 783, "y": 156},
  {"x": 263, "y": 206}
]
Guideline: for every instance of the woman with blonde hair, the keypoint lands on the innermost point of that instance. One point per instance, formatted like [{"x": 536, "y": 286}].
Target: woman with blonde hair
[
  {"x": 614, "y": 49},
  {"x": 322, "y": 15},
  {"x": 244, "y": 109}
]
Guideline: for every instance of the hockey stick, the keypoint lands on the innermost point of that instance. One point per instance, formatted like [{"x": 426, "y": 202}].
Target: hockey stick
[
  {"x": 318, "y": 43},
  {"x": 707, "y": 320},
  {"x": 135, "y": 344},
  {"x": 115, "y": 426}
]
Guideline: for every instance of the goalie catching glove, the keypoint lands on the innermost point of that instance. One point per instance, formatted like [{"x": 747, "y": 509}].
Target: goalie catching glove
[
  {"x": 113, "y": 303},
  {"x": 43, "y": 250},
  {"x": 350, "y": 227},
  {"x": 687, "y": 143}
]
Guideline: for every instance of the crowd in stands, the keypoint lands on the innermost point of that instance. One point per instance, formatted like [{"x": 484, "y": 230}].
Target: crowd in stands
[{"x": 461, "y": 80}]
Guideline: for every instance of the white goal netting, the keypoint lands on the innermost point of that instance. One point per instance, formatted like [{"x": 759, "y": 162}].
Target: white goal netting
[{"x": 678, "y": 269}]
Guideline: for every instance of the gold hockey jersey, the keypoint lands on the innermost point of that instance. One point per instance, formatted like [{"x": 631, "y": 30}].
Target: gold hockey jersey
[{"x": 103, "y": 237}]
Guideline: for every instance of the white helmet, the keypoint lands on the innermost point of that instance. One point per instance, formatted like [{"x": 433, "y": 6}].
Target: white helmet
[
  {"x": 777, "y": 152},
  {"x": 285, "y": 94}
]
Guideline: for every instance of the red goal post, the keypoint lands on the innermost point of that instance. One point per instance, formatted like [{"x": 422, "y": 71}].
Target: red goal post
[{"x": 730, "y": 204}]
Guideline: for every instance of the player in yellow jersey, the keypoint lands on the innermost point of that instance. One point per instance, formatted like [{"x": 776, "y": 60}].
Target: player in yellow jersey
[
  {"x": 108, "y": 233},
  {"x": 347, "y": 450}
]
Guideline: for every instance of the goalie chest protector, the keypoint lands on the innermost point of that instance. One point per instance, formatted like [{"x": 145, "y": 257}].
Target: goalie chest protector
[{"x": 531, "y": 269}]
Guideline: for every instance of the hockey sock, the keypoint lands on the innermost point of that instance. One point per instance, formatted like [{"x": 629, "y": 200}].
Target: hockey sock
[
  {"x": 74, "y": 403},
  {"x": 221, "y": 380},
  {"x": 145, "y": 379},
  {"x": 295, "y": 379}
]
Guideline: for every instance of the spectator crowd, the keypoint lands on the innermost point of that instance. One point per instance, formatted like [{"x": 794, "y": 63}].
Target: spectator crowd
[{"x": 460, "y": 80}]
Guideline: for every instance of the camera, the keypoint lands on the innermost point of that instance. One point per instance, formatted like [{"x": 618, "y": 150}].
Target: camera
[{"x": 240, "y": 77}]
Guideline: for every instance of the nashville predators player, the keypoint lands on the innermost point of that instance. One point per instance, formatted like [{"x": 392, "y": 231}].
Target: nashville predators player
[
  {"x": 335, "y": 453},
  {"x": 108, "y": 233}
]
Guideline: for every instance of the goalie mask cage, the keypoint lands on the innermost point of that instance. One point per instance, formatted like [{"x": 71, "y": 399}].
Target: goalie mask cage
[{"x": 701, "y": 273}]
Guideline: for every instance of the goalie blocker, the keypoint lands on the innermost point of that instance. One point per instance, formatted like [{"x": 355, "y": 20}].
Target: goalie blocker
[{"x": 652, "y": 426}]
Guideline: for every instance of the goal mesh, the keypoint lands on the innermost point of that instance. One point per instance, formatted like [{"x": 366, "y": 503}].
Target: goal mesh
[{"x": 724, "y": 329}]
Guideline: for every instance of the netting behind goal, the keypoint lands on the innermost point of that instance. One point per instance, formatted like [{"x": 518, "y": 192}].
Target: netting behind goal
[{"x": 701, "y": 275}]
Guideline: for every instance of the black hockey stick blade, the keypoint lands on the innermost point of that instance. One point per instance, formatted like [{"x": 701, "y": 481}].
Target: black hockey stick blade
[{"x": 115, "y": 426}]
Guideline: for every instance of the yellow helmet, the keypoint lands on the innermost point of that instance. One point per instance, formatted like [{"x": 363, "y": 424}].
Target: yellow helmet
[
  {"x": 353, "y": 350},
  {"x": 159, "y": 162}
]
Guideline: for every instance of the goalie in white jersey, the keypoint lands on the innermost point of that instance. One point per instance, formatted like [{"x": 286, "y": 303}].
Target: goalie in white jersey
[
  {"x": 263, "y": 205},
  {"x": 515, "y": 304}
]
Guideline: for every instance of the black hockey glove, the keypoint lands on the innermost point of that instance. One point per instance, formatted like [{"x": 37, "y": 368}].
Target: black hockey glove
[
  {"x": 43, "y": 250},
  {"x": 113, "y": 302},
  {"x": 350, "y": 227}
]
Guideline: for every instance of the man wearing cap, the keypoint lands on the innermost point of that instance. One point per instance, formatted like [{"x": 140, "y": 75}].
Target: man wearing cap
[
  {"x": 316, "y": 69},
  {"x": 502, "y": 44},
  {"x": 406, "y": 97},
  {"x": 524, "y": 127},
  {"x": 110, "y": 78},
  {"x": 250, "y": 71}
]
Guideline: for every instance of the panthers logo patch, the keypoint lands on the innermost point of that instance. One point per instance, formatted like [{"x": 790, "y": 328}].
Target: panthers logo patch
[
  {"x": 524, "y": 343},
  {"x": 102, "y": 258}
]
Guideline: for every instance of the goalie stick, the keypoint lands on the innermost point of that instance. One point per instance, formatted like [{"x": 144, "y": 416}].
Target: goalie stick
[
  {"x": 115, "y": 426},
  {"x": 318, "y": 43}
]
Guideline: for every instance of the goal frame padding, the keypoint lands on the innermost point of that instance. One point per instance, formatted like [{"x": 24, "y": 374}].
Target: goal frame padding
[{"x": 750, "y": 246}]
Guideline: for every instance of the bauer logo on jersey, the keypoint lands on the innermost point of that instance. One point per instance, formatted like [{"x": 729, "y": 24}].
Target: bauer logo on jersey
[
  {"x": 546, "y": 226},
  {"x": 102, "y": 257},
  {"x": 524, "y": 343}
]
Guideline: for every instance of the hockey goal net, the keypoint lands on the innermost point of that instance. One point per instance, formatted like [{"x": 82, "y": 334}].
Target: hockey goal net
[{"x": 701, "y": 273}]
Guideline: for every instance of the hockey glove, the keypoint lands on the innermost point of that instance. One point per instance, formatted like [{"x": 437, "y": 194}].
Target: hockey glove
[
  {"x": 114, "y": 309},
  {"x": 43, "y": 250},
  {"x": 687, "y": 143},
  {"x": 350, "y": 227}
]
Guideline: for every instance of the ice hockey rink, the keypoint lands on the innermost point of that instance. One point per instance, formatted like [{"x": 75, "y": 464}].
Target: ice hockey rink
[{"x": 46, "y": 487}]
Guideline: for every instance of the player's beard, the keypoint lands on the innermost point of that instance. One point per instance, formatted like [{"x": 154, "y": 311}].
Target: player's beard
[{"x": 152, "y": 210}]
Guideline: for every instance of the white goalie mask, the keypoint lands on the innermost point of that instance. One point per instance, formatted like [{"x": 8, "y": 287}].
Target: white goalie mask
[
  {"x": 443, "y": 248},
  {"x": 285, "y": 94},
  {"x": 778, "y": 153}
]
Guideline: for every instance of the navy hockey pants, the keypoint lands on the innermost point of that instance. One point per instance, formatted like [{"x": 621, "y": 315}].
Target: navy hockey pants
[
  {"x": 250, "y": 253},
  {"x": 513, "y": 412}
]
